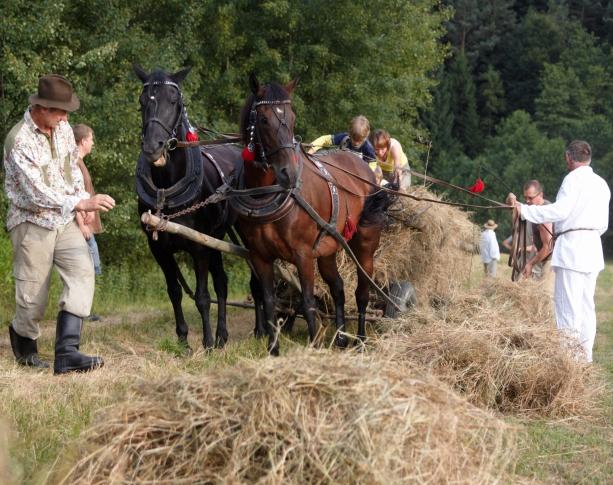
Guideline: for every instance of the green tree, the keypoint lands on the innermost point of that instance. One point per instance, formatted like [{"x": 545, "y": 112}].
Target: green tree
[
  {"x": 492, "y": 98},
  {"x": 466, "y": 120}
]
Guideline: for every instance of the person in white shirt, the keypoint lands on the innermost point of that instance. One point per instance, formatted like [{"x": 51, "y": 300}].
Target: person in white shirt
[
  {"x": 488, "y": 248},
  {"x": 581, "y": 215}
]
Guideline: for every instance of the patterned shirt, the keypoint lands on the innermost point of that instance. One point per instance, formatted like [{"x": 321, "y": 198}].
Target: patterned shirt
[{"x": 43, "y": 181}]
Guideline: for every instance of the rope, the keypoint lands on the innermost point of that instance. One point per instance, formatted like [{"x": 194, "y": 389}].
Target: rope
[{"x": 518, "y": 256}]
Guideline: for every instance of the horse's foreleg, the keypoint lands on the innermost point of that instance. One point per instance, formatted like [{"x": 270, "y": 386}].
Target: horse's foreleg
[
  {"x": 329, "y": 272},
  {"x": 169, "y": 267},
  {"x": 220, "y": 283},
  {"x": 265, "y": 272},
  {"x": 258, "y": 301},
  {"x": 203, "y": 298},
  {"x": 306, "y": 272}
]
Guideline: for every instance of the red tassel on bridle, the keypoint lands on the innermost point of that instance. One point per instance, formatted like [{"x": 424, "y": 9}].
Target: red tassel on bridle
[
  {"x": 350, "y": 228},
  {"x": 191, "y": 136},
  {"x": 248, "y": 154},
  {"x": 477, "y": 187}
]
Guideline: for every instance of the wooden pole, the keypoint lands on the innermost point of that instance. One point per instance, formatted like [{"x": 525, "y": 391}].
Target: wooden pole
[{"x": 196, "y": 236}]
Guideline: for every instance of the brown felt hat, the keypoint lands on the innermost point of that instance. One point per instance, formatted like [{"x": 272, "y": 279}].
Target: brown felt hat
[{"x": 55, "y": 91}]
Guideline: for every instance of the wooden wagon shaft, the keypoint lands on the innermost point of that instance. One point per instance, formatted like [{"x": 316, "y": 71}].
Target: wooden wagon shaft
[
  {"x": 196, "y": 236},
  {"x": 218, "y": 244}
]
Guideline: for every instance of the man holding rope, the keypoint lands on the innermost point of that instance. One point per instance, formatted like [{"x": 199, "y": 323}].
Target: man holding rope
[
  {"x": 538, "y": 267},
  {"x": 581, "y": 216}
]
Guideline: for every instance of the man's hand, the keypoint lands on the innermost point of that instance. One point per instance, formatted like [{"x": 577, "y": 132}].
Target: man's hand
[
  {"x": 527, "y": 270},
  {"x": 512, "y": 201},
  {"x": 87, "y": 233},
  {"x": 88, "y": 217},
  {"x": 99, "y": 202}
]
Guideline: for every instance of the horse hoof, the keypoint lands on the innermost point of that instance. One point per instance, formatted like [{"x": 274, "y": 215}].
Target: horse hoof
[
  {"x": 208, "y": 346},
  {"x": 341, "y": 341},
  {"x": 360, "y": 346},
  {"x": 186, "y": 350},
  {"x": 274, "y": 351},
  {"x": 220, "y": 342},
  {"x": 259, "y": 333}
]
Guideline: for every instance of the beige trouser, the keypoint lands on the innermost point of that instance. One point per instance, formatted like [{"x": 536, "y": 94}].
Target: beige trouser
[
  {"x": 490, "y": 268},
  {"x": 35, "y": 251}
]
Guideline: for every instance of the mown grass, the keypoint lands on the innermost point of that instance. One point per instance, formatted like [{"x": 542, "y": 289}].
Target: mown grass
[
  {"x": 577, "y": 451},
  {"x": 45, "y": 414}
]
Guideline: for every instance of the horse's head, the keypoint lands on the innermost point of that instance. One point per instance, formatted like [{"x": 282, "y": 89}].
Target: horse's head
[
  {"x": 161, "y": 105},
  {"x": 267, "y": 126}
]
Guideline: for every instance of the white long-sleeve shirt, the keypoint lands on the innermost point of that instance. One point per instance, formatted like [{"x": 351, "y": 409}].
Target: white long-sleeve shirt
[
  {"x": 582, "y": 203},
  {"x": 488, "y": 246}
]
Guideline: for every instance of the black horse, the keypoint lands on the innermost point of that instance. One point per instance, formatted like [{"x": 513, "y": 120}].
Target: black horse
[{"x": 171, "y": 179}]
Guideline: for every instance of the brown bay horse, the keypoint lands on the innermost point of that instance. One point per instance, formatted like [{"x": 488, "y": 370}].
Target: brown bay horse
[{"x": 307, "y": 189}]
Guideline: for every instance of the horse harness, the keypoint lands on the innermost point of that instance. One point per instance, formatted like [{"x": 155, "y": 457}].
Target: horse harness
[{"x": 189, "y": 187}]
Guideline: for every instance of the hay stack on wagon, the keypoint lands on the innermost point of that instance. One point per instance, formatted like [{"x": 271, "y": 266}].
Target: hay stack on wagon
[
  {"x": 311, "y": 417},
  {"x": 426, "y": 243}
]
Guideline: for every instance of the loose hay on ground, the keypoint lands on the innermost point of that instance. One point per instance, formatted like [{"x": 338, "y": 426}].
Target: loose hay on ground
[
  {"x": 313, "y": 417},
  {"x": 500, "y": 348}
]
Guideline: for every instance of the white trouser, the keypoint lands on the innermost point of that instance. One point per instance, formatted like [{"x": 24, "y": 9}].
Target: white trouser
[{"x": 574, "y": 306}]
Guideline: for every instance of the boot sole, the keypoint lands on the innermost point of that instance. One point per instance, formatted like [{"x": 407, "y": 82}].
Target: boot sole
[{"x": 78, "y": 369}]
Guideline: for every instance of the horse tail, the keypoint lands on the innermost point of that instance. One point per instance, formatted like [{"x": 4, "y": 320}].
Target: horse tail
[{"x": 376, "y": 206}]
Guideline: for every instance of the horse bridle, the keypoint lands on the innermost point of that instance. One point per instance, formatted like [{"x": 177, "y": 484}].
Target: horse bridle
[
  {"x": 171, "y": 142},
  {"x": 254, "y": 135}
]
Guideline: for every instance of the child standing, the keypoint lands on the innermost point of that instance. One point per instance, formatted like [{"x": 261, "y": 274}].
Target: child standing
[{"x": 84, "y": 137}]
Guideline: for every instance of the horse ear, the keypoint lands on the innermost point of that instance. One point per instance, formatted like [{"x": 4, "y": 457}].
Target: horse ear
[
  {"x": 140, "y": 72},
  {"x": 254, "y": 84},
  {"x": 180, "y": 76},
  {"x": 290, "y": 86}
]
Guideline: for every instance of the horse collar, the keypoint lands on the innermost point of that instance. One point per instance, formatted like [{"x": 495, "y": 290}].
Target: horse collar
[{"x": 180, "y": 194}]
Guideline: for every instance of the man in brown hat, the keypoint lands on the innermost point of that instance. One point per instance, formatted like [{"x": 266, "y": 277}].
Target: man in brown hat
[
  {"x": 488, "y": 248},
  {"x": 45, "y": 190}
]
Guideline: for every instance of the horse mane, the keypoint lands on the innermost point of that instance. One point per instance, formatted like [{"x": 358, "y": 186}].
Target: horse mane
[{"x": 272, "y": 92}]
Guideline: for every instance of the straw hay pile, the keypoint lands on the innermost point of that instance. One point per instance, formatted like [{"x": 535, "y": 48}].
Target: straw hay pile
[
  {"x": 499, "y": 347},
  {"x": 426, "y": 243},
  {"x": 312, "y": 417}
]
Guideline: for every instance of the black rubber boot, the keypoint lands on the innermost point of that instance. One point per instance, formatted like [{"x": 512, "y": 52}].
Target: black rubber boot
[
  {"x": 26, "y": 350},
  {"x": 67, "y": 340}
]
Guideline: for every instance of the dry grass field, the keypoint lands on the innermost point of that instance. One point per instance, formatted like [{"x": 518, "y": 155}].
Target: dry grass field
[{"x": 473, "y": 386}]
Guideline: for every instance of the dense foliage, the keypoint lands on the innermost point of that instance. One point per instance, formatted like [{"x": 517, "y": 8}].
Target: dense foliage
[
  {"x": 524, "y": 79},
  {"x": 498, "y": 87},
  {"x": 352, "y": 57}
]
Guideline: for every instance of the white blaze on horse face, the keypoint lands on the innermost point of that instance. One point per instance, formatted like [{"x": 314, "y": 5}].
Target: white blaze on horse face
[
  {"x": 279, "y": 110},
  {"x": 160, "y": 162}
]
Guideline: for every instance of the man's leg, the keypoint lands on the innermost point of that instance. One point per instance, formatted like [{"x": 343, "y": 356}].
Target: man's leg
[
  {"x": 570, "y": 305},
  {"x": 491, "y": 268},
  {"x": 32, "y": 263},
  {"x": 588, "y": 323},
  {"x": 74, "y": 264}
]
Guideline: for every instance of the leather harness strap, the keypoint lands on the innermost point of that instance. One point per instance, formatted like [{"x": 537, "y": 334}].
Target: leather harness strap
[{"x": 334, "y": 199}]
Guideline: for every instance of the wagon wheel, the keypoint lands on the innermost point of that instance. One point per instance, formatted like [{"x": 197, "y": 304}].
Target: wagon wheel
[{"x": 403, "y": 293}]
